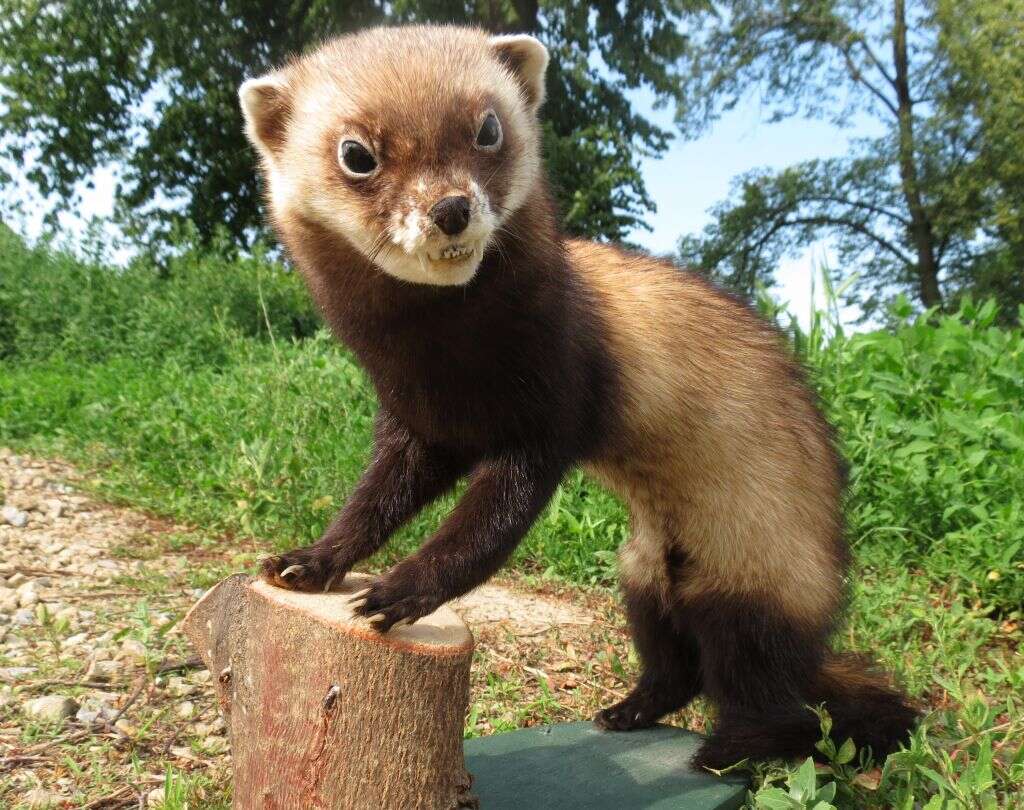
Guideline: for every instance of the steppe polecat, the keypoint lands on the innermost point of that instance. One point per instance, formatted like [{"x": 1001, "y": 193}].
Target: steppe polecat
[{"x": 403, "y": 175}]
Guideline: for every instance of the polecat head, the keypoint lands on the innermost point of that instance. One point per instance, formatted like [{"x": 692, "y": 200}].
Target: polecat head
[{"x": 414, "y": 144}]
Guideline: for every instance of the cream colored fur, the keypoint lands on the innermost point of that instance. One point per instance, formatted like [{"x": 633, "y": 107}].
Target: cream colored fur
[{"x": 329, "y": 94}]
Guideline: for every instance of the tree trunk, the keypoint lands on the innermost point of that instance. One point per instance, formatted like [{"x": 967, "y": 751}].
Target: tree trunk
[
  {"x": 920, "y": 222},
  {"x": 324, "y": 712}
]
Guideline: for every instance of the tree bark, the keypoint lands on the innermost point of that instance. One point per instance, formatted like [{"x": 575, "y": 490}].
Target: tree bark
[
  {"x": 327, "y": 714},
  {"x": 920, "y": 223}
]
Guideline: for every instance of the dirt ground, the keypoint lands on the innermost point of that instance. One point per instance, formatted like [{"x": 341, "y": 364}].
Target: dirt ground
[{"x": 102, "y": 704}]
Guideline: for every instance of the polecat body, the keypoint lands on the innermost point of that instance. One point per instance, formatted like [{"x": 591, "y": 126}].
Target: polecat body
[{"x": 403, "y": 176}]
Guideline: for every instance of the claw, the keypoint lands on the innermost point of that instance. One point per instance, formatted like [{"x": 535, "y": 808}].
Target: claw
[
  {"x": 330, "y": 582},
  {"x": 361, "y": 593},
  {"x": 292, "y": 569},
  {"x": 357, "y": 605}
]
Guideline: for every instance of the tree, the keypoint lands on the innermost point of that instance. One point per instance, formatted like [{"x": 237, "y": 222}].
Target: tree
[
  {"x": 985, "y": 44},
  {"x": 910, "y": 209},
  {"x": 149, "y": 85}
]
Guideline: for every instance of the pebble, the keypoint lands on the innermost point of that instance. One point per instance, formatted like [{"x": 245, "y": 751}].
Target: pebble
[
  {"x": 179, "y": 687},
  {"x": 156, "y": 798},
  {"x": 8, "y": 600},
  {"x": 27, "y": 596},
  {"x": 15, "y": 579},
  {"x": 186, "y": 709},
  {"x": 23, "y": 617},
  {"x": 74, "y": 641},
  {"x": 40, "y": 799},
  {"x": 102, "y": 670},
  {"x": 14, "y": 517},
  {"x": 15, "y": 673},
  {"x": 50, "y": 708},
  {"x": 133, "y": 649},
  {"x": 94, "y": 712}
]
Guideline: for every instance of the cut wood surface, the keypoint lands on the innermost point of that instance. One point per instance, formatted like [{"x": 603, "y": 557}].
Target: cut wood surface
[{"x": 327, "y": 714}]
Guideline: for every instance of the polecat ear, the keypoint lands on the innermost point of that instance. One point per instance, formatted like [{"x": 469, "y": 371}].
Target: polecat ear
[
  {"x": 266, "y": 104},
  {"x": 527, "y": 58}
]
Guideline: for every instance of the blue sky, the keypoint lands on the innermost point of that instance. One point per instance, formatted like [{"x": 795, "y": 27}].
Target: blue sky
[{"x": 690, "y": 178}]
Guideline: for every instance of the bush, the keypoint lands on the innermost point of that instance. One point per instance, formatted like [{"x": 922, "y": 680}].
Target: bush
[
  {"x": 930, "y": 416},
  {"x": 53, "y": 304}
]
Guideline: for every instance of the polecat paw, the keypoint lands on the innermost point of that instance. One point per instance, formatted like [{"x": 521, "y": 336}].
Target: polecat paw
[
  {"x": 393, "y": 599},
  {"x": 304, "y": 569},
  {"x": 638, "y": 710}
]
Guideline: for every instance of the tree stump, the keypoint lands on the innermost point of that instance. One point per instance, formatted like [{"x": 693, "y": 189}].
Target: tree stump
[{"x": 327, "y": 714}]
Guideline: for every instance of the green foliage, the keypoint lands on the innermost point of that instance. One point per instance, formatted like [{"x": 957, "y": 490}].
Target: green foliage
[
  {"x": 931, "y": 422},
  {"x": 803, "y": 792},
  {"x": 982, "y": 42},
  {"x": 187, "y": 308},
  {"x": 149, "y": 86}
]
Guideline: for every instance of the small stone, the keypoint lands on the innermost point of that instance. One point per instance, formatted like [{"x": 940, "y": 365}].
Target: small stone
[
  {"x": 179, "y": 687},
  {"x": 126, "y": 728},
  {"x": 133, "y": 649},
  {"x": 215, "y": 745},
  {"x": 87, "y": 716},
  {"x": 12, "y": 674},
  {"x": 14, "y": 517},
  {"x": 51, "y": 708},
  {"x": 15, "y": 579},
  {"x": 201, "y": 676},
  {"x": 74, "y": 641},
  {"x": 102, "y": 670},
  {"x": 23, "y": 617},
  {"x": 27, "y": 595},
  {"x": 40, "y": 799},
  {"x": 53, "y": 508},
  {"x": 95, "y": 711},
  {"x": 156, "y": 798},
  {"x": 24, "y": 501},
  {"x": 8, "y": 600},
  {"x": 186, "y": 709}
]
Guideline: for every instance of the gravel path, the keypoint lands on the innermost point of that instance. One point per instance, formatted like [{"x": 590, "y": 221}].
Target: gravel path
[{"x": 101, "y": 699}]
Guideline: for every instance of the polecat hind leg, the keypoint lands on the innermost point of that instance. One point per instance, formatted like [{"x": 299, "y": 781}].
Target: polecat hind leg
[{"x": 669, "y": 655}]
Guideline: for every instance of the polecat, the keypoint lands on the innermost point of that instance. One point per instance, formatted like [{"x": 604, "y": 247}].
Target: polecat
[{"x": 403, "y": 175}]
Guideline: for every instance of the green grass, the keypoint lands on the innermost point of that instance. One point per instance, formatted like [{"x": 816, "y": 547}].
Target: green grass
[{"x": 204, "y": 392}]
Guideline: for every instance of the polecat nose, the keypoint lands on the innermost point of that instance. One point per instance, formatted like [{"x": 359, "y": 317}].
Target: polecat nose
[{"x": 451, "y": 215}]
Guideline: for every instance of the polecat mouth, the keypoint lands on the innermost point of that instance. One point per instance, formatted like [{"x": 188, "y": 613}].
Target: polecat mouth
[{"x": 453, "y": 253}]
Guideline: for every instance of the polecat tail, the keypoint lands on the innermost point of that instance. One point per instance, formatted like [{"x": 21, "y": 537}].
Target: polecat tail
[{"x": 861, "y": 702}]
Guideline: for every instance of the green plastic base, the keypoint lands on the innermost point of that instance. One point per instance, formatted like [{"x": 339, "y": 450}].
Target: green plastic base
[{"x": 575, "y": 765}]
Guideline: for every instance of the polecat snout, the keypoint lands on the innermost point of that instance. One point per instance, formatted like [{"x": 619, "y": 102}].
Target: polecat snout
[{"x": 403, "y": 174}]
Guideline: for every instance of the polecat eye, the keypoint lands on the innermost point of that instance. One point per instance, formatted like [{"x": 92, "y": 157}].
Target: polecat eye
[
  {"x": 356, "y": 158},
  {"x": 489, "y": 135}
]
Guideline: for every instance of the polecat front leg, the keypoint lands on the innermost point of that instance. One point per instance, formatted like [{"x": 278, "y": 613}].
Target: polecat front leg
[
  {"x": 503, "y": 499},
  {"x": 404, "y": 475}
]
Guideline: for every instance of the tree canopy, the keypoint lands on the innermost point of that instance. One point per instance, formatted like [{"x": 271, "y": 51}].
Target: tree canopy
[
  {"x": 932, "y": 205},
  {"x": 149, "y": 86}
]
